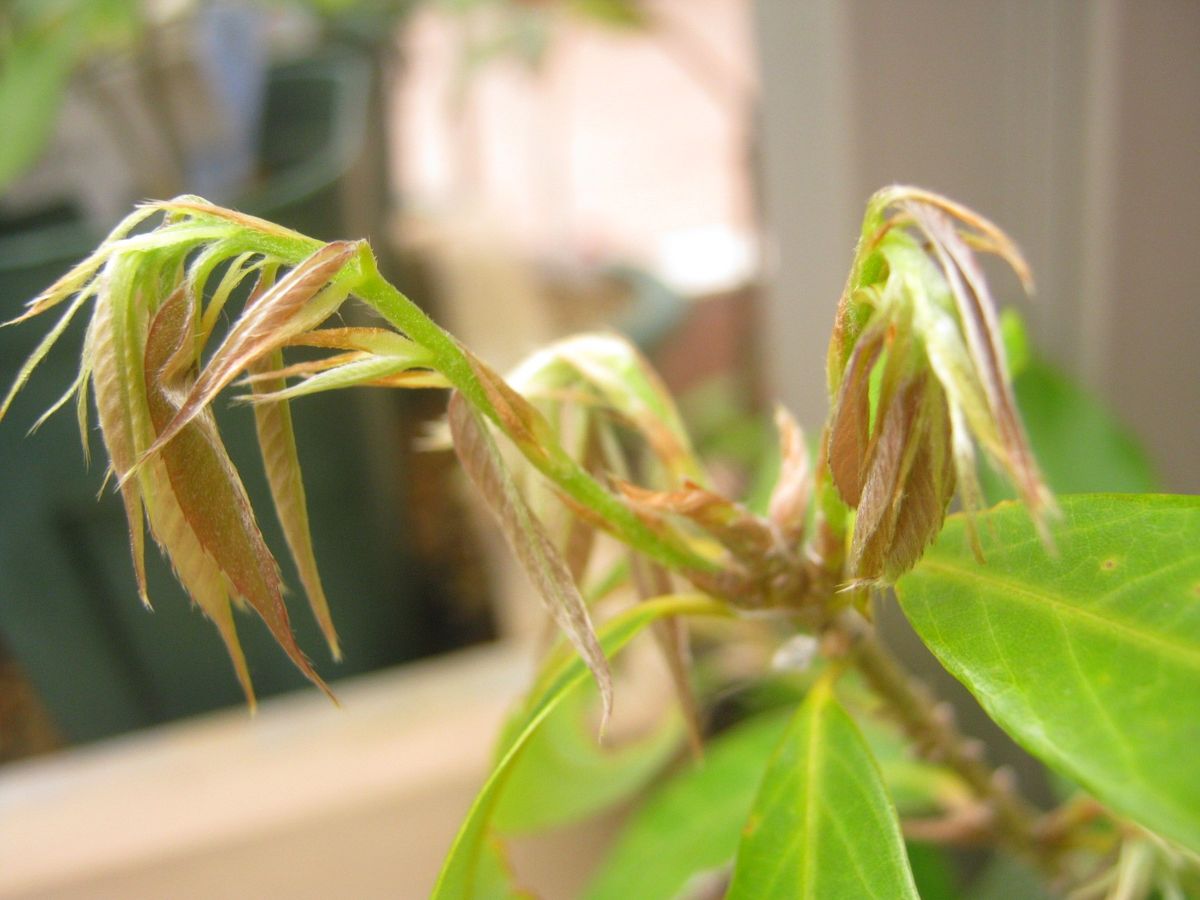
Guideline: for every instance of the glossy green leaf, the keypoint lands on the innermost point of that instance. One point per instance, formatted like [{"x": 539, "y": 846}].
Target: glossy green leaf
[
  {"x": 565, "y": 775},
  {"x": 692, "y": 824},
  {"x": 822, "y": 824},
  {"x": 1090, "y": 658},
  {"x": 460, "y": 876}
]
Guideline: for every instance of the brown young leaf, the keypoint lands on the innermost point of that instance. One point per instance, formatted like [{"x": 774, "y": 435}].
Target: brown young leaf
[
  {"x": 788, "y": 506},
  {"x": 977, "y": 314},
  {"x": 737, "y": 529},
  {"x": 875, "y": 521},
  {"x": 481, "y": 459},
  {"x": 202, "y": 482},
  {"x": 926, "y": 492},
  {"x": 520, "y": 419},
  {"x": 909, "y": 484},
  {"x": 277, "y": 441},
  {"x": 850, "y": 419},
  {"x": 273, "y": 317}
]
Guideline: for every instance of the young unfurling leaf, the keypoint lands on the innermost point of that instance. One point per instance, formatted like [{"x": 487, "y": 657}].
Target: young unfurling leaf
[
  {"x": 480, "y": 457},
  {"x": 141, "y": 358},
  {"x": 787, "y": 509},
  {"x": 917, "y": 377},
  {"x": 298, "y": 302},
  {"x": 608, "y": 373},
  {"x": 203, "y": 484}
]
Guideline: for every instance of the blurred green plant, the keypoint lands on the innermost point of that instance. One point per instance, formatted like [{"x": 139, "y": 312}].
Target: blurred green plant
[
  {"x": 43, "y": 43},
  {"x": 1074, "y": 620}
]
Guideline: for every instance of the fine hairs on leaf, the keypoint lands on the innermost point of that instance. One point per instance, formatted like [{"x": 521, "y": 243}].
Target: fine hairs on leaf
[{"x": 1074, "y": 620}]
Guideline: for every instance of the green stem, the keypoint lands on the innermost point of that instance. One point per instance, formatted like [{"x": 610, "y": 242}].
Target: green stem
[
  {"x": 452, "y": 361},
  {"x": 1014, "y": 820}
]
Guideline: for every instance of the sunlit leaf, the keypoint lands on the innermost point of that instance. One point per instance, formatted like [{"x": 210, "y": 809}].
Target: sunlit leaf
[
  {"x": 822, "y": 824},
  {"x": 1090, "y": 658},
  {"x": 459, "y": 879}
]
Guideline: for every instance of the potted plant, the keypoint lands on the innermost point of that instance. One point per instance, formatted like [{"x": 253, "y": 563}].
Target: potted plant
[{"x": 1073, "y": 620}]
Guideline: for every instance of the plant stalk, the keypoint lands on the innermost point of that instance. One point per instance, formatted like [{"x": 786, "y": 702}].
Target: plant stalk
[{"x": 1014, "y": 820}]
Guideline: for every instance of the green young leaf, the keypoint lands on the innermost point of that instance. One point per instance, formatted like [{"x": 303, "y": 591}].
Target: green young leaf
[
  {"x": 822, "y": 823},
  {"x": 459, "y": 879},
  {"x": 564, "y": 775},
  {"x": 692, "y": 824},
  {"x": 1090, "y": 659},
  {"x": 608, "y": 371}
]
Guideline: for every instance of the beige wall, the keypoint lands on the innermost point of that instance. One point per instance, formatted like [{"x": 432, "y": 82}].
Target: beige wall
[{"x": 1073, "y": 124}]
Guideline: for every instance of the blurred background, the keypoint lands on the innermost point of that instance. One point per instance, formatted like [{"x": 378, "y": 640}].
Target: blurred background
[{"x": 690, "y": 172}]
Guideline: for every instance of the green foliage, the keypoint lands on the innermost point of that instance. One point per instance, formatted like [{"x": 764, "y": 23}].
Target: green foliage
[
  {"x": 40, "y": 45},
  {"x": 1075, "y": 624},
  {"x": 564, "y": 774},
  {"x": 33, "y": 73},
  {"x": 557, "y": 679},
  {"x": 1089, "y": 657},
  {"x": 822, "y": 824},
  {"x": 1061, "y": 419},
  {"x": 691, "y": 825}
]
